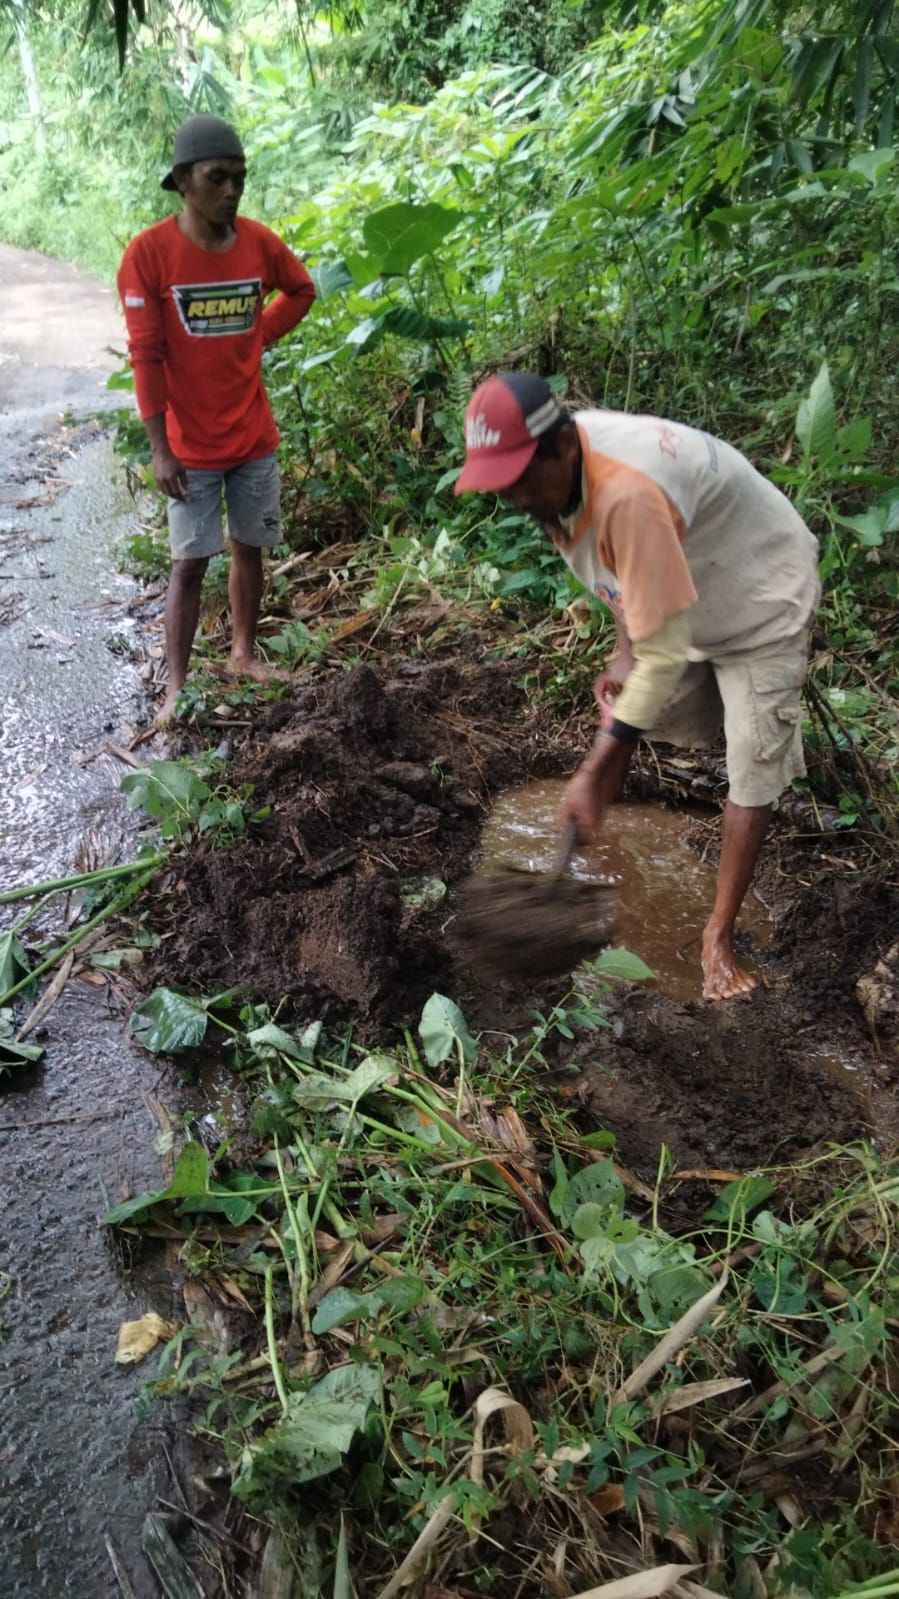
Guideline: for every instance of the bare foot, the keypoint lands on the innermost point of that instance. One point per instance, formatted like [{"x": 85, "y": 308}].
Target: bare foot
[
  {"x": 723, "y": 978},
  {"x": 249, "y": 666},
  {"x": 166, "y": 716}
]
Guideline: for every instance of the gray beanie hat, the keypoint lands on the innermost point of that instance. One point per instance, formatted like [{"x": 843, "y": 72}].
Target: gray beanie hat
[{"x": 199, "y": 139}]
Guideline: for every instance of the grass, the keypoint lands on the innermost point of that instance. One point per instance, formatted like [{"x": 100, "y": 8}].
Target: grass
[{"x": 453, "y": 1316}]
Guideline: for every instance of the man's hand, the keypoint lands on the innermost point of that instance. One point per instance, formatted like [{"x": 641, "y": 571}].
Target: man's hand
[
  {"x": 582, "y": 804},
  {"x": 609, "y": 684},
  {"x": 170, "y": 473}
]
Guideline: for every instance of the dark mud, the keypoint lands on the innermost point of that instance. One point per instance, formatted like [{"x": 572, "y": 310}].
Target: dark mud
[
  {"x": 378, "y": 785},
  {"x": 381, "y": 783}
]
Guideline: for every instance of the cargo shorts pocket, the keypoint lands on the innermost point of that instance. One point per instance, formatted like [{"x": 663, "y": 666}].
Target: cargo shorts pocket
[{"x": 776, "y": 702}]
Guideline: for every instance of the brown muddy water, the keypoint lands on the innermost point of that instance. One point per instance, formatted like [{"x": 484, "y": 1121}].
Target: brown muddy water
[
  {"x": 664, "y": 891},
  {"x": 78, "y": 1465}
]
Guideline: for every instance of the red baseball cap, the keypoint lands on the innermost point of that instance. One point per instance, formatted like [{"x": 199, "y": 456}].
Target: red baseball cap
[{"x": 505, "y": 420}]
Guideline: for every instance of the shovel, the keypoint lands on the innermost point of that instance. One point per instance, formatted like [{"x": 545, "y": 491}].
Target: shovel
[{"x": 520, "y": 924}]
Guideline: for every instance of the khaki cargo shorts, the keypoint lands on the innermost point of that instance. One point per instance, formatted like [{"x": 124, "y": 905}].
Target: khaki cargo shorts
[
  {"x": 252, "y": 497},
  {"x": 756, "y": 699}
]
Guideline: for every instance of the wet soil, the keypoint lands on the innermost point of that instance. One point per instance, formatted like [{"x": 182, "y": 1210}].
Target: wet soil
[
  {"x": 378, "y": 784},
  {"x": 381, "y": 782},
  {"x": 78, "y": 1465}
]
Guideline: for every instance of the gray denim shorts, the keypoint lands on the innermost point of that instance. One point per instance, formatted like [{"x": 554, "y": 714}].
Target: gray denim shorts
[{"x": 252, "y": 498}]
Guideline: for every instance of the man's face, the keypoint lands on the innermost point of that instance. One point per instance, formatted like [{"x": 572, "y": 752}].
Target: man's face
[
  {"x": 547, "y": 485},
  {"x": 213, "y": 188}
]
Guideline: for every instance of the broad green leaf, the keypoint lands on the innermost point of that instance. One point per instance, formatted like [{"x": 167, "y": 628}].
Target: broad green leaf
[
  {"x": 331, "y": 277},
  {"x": 596, "y": 1186},
  {"x": 166, "y": 1022},
  {"x": 13, "y": 961},
  {"x": 270, "y": 1041},
  {"x": 191, "y": 1177},
  {"x": 740, "y": 1197},
  {"x": 815, "y": 422},
  {"x": 872, "y": 165},
  {"x": 621, "y": 963},
  {"x": 191, "y": 1174},
  {"x": 13, "y": 1054},
  {"x": 589, "y": 1221},
  {"x": 854, "y": 439},
  {"x": 164, "y": 786},
  {"x": 400, "y": 234},
  {"x": 443, "y": 1031},
  {"x": 312, "y": 1438},
  {"x": 317, "y": 1091},
  {"x": 342, "y": 1306},
  {"x": 870, "y": 526}
]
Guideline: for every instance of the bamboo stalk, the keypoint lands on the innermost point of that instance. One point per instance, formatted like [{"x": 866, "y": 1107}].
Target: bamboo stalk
[
  {"x": 112, "y": 909},
  {"x": 106, "y": 874}
]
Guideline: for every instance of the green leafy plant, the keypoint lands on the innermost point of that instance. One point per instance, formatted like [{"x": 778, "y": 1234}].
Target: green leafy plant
[{"x": 183, "y": 802}]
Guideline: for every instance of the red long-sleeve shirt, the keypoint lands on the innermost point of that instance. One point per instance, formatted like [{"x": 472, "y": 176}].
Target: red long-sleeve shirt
[{"x": 197, "y": 326}]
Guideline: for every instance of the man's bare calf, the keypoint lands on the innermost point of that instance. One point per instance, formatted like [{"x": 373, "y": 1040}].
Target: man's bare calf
[
  {"x": 182, "y": 613},
  {"x": 742, "y": 834}
]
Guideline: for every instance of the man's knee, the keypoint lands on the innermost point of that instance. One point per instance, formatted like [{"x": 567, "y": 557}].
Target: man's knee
[
  {"x": 187, "y": 572},
  {"x": 246, "y": 554}
]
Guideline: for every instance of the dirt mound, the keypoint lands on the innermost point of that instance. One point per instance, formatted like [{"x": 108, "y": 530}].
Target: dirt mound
[{"x": 343, "y": 898}]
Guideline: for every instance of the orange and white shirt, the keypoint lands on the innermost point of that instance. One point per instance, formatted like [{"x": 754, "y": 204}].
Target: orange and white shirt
[{"x": 674, "y": 523}]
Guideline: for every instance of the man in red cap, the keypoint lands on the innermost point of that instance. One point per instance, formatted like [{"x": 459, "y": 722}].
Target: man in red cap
[
  {"x": 194, "y": 289},
  {"x": 711, "y": 577}
]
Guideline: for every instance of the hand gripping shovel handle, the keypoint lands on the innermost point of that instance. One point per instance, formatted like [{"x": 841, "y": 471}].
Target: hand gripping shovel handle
[{"x": 565, "y": 850}]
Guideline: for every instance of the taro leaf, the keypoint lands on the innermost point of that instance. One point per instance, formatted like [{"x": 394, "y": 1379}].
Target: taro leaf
[
  {"x": 270, "y": 1041},
  {"x": 191, "y": 1177},
  {"x": 163, "y": 787},
  {"x": 622, "y": 963},
  {"x": 13, "y": 962},
  {"x": 398, "y": 235},
  {"x": 166, "y": 1022},
  {"x": 815, "y": 419},
  {"x": 596, "y": 1186},
  {"x": 317, "y": 1091},
  {"x": 443, "y": 1031},
  {"x": 312, "y": 1438}
]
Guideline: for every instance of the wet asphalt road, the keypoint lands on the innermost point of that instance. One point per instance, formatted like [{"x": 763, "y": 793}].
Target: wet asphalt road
[{"x": 78, "y": 1465}]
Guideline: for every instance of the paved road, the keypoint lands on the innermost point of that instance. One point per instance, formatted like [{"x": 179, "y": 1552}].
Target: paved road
[{"x": 77, "y": 1465}]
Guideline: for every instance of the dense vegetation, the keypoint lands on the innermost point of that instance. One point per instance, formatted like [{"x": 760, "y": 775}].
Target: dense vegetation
[
  {"x": 683, "y": 208},
  {"x": 679, "y": 208}
]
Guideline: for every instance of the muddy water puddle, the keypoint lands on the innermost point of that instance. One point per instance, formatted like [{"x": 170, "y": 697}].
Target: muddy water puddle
[{"x": 665, "y": 891}]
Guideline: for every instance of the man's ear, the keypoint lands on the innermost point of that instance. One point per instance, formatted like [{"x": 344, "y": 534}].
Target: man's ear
[
  {"x": 182, "y": 179},
  {"x": 569, "y": 443}
]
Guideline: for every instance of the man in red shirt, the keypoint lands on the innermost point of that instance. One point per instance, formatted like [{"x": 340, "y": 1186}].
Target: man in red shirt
[{"x": 194, "y": 289}]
